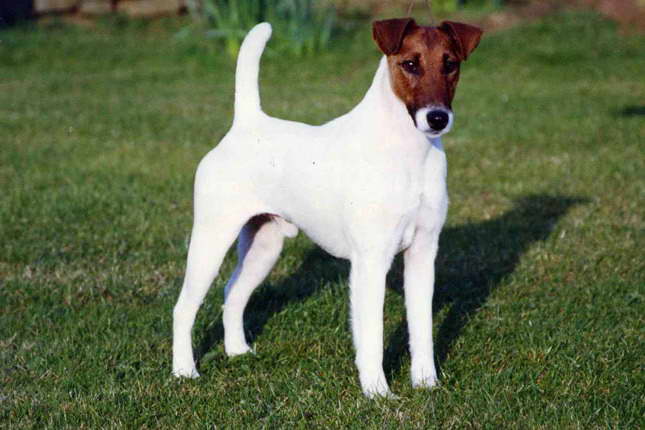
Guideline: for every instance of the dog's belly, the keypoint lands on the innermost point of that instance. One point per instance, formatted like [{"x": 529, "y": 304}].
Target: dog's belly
[
  {"x": 347, "y": 225},
  {"x": 337, "y": 241},
  {"x": 320, "y": 220},
  {"x": 332, "y": 241}
]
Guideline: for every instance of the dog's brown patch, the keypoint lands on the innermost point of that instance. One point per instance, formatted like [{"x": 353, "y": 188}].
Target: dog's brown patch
[{"x": 424, "y": 61}]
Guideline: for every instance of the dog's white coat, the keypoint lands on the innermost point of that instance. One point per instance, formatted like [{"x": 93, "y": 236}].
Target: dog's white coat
[{"x": 364, "y": 187}]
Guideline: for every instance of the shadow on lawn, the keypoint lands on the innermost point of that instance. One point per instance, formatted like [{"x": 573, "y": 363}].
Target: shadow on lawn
[
  {"x": 473, "y": 259},
  {"x": 634, "y": 110},
  {"x": 316, "y": 270}
]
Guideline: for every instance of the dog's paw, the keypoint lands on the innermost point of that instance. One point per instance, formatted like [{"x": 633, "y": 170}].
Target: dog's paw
[
  {"x": 375, "y": 386},
  {"x": 378, "y": 392},
  {"x": 425, "y": 377},
  {"x": 235, "y": 350},
  {"x": 190, "y": 373}
]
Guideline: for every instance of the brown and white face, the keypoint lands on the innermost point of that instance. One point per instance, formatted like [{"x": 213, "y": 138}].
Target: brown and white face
[{"x": 424, "y": 67}]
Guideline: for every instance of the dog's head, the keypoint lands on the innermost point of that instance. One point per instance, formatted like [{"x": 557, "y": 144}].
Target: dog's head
[{"x": 424, "y": 66}]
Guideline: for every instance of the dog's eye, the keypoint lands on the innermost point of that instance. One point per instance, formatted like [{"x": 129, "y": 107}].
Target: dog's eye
[
  {"x": 410, "y": 66},
  {"x": 450, "y": 66}
]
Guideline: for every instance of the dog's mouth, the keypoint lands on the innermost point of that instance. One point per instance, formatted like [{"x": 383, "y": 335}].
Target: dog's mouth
[{"x": 433, "y": 121}]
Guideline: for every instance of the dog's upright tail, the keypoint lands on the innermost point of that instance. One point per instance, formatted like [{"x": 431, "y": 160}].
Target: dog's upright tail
[{"x": 247, "y": 92}]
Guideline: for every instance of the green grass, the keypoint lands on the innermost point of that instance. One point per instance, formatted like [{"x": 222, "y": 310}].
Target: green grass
[{"x": 539, "y": 303}]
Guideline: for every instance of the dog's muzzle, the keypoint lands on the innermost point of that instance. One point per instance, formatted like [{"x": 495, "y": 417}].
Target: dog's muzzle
[{"x": 433, "y": 120}]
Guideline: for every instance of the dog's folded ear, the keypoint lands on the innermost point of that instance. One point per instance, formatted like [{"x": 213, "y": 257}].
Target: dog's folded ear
[
  {"x": 466, "y": 36},
  {"x": 388, "y": 34}
]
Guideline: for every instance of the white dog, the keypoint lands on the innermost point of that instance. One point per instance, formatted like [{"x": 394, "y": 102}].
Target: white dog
[{"x": 364, "y": 186}]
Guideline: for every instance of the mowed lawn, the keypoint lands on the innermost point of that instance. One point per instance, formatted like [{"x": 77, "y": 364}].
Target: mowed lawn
[{"x": 540, "y": 284}]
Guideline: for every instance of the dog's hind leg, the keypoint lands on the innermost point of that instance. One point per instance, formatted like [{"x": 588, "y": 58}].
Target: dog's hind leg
[
  {"x": 258, "y": 248},
  {"x": 214, "y": 231}
]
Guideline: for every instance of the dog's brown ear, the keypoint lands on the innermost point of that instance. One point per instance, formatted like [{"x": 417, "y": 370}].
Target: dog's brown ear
[
  {"x": 466, "y": 36},
  {"x": 388, "y": 34}
]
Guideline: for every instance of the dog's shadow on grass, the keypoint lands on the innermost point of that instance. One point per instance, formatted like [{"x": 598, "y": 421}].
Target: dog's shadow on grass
[
  {"x": 632, "y": 111},
  {"x": 316, "y": 270},
  {"x": 473, "y": 259}
]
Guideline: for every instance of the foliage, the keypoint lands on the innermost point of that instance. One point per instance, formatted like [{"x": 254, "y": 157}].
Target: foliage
[
  {"x": 301, "y": 27},
  {"x": 540, "y": 278},
  {"x": 446, "y": 7}
]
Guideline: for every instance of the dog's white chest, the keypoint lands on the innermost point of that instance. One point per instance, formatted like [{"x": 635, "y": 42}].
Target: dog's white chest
[
  {"x": 430, "y": 197},
  {"x": 408, "y": 234}
]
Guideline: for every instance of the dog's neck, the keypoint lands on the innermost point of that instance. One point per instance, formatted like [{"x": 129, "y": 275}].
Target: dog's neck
[
  {"x": 385, "y": 109},
  {"x": 381, "y": 101}
]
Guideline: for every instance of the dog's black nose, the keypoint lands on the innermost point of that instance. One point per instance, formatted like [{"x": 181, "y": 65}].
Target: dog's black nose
[{"x": 438, "y": 119}]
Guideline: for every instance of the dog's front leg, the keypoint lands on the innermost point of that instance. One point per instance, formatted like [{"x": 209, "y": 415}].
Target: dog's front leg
[
  {"x": 419, "y": 288},
  {"x": 367, "y": 284}
]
